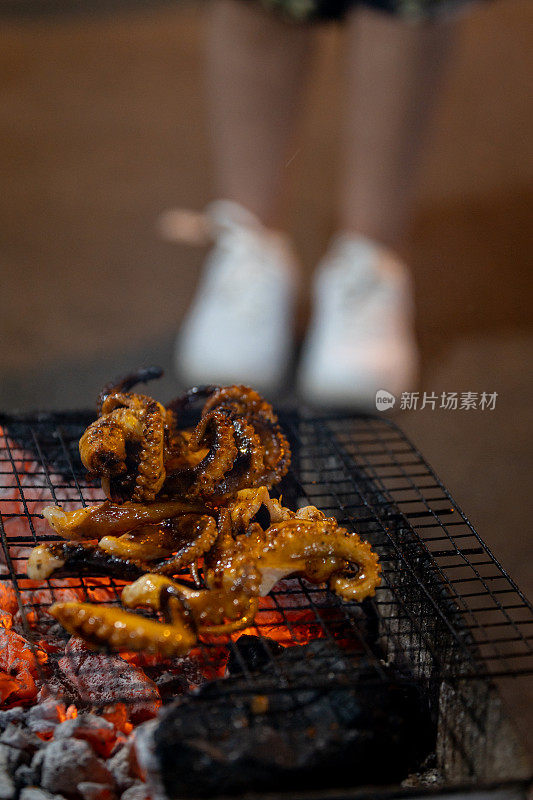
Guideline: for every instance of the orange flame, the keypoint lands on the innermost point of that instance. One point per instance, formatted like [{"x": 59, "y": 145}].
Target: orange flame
[{"x": 66, "y": 713}]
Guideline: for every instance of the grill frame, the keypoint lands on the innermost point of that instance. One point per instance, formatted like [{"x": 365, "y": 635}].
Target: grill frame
[{"x": 436, "y": 614}]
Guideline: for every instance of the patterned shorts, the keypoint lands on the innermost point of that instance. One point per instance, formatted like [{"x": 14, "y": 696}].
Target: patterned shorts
[{"x": 317, "y": 10}]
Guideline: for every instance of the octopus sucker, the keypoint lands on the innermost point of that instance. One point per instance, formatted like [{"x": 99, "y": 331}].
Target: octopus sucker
[{"x": 105, "y": 626}]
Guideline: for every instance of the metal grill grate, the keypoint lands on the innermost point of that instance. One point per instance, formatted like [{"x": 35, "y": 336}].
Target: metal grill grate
[{"x": 446, "y": 608}]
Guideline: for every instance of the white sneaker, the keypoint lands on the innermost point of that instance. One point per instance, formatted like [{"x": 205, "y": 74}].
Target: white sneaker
[
  {"x": 361, "y": 336},
  {"x": 239, "y": 328}
]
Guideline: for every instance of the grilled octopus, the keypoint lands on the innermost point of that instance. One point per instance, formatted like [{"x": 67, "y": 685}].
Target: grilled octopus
[
  {"x": 177, "y": 496},
  {"x": 238, "y": 572},
  {"x": 140, "y": 455},
  {"x": 166, "y": 548},
  {"x": 107, "y": 519},
  {"x": 125, "y": 447},
  {"x": 134, "y": 536}
]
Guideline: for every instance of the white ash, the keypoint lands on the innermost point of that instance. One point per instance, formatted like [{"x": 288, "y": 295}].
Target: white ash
[
  {"x": 67, "y": 762},
  {"x": 96, "y": 791},
  {"x": 94, "y": 729},
  {"x": 36, "y": 766},
  {"x": 34, "y": 793},
  {"x": 7, "y": 784},
  {"x": 143, "y": 743},
  {"x": 139, "y": 791},
  {"x": 24, "y": 776},
  {"x": 18, "y": 746},
  {"x": 121, "y": 766},
  {"x": 42, "y": 717},
  {"x": 73, "y": 761}
]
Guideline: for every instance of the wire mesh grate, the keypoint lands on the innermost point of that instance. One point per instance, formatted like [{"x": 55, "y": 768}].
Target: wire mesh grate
[{"x": 446, "y": 608}]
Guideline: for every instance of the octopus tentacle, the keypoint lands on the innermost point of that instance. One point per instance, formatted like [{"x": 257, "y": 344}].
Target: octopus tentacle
[
  {"x": 196, "y": 542},
  {"x": 176, "y": 543},
  {"x": 151, "y": 471},
  {"x": 103, "y": 445},
  {"x": 126, "y": 446},
  {"x": 241, "y": 401},
  {"x": 217, "y": 432},
  {"x": 101, "y": 626},
  {"x": 149, "y": 542},
  {"x": 127, "y": 382},
  {"x": 196, "y": 576},
  {"x": 276, "y": 448},
  {"x": 248, "y": 467},
  {"x": 189, "y": 397},
  {"x": 205, "y": 609},
  {"x": 103, "y": 519},
  {"x": 152, "y": 416},
  {"x": 301, "y": 546},
  {"x": 45, "y": 559}
]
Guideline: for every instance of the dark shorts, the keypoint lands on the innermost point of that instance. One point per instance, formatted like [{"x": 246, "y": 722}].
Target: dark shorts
[{"x": 317, "y": 10}]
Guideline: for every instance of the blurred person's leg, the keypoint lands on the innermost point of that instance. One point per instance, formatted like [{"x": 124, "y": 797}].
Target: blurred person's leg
[
  {"x": 394, "y": 71},
  {"x": 361, "y": 337},
  {"x": 256, "y": 65},
  {"x": 240, "y": 326}
]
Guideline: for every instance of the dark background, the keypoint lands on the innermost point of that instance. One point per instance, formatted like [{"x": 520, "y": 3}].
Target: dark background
[{"x": 103, "y": 127}]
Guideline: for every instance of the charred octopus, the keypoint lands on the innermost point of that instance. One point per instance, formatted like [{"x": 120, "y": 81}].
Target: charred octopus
[{"x": 180, "y": 497}]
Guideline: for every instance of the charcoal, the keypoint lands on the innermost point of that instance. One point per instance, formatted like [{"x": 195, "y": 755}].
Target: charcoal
[
  {"x": 138, "y": 791},
  {"x": 252, "y": 653},
  {"x": 16, "y": 714},
  {"x": 43, "y": 716},
  {"x": 24, "y": 776},
  {"x": 17, "y": 746},
  {"x": 95, "y": 730},
  {"x": 102, "y": 679},
  {"x": 357, "y": 726},
  {"x": 95, "y": 791},
  {"x": 20, "y": 744},
  {"x": 7, "y": 784},
  {"x": 34, "y": 793},
  {"x": 67, "y": 762},
  {"x": 184, "y": 675},
  {"x": 121, "y": 766},
  {"x": 37, "y": 765}
]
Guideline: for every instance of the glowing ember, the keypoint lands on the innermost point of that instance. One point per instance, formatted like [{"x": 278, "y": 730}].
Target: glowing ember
[
  {"x": 18, "y": 668},
  {"x": 118, "y": 715},
  {"x": 66, "y": 713}
]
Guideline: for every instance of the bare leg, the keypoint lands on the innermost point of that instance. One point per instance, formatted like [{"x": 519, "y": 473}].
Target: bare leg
[
  {"x": 256, "y": 64},
  {"x": 394, "y": 72}
]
